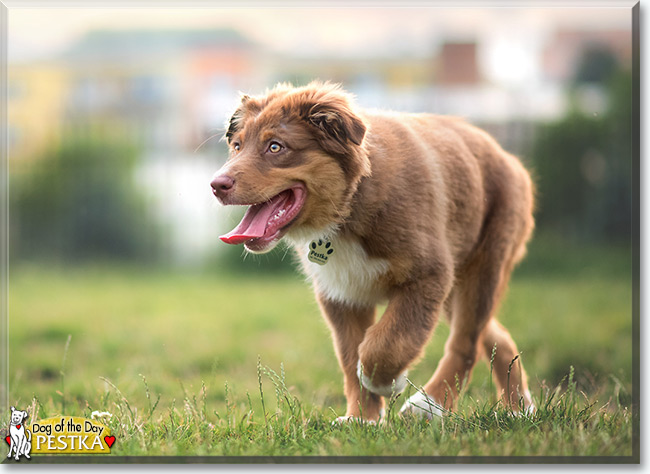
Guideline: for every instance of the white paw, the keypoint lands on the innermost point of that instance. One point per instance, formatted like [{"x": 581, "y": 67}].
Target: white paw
[
  {"x": 530, "y": 407},
  {"x": 352, "y": 419},
  {"x": 422, "y": 405},
  {"x": 396, "y": 387}
]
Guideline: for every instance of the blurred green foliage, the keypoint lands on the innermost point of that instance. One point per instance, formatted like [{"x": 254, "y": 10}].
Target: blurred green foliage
[
  {"x": 597, "y": 65},
  {"x": 80, "y": 201},
  {"x": 583, "y": 162},
  {"x": 234, "y": 259}
]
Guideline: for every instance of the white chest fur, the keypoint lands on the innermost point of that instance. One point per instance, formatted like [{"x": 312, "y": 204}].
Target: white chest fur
[{"x": 349, "y": 276}]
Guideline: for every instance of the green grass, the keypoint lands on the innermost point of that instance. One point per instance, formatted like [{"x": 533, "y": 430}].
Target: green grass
[{"x": 221, "y": 365}]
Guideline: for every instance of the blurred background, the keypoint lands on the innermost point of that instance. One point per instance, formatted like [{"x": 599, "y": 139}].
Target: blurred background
[{"x": 115, "y": 119}]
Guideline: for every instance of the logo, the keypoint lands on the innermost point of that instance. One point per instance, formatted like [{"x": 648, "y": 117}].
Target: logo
[
  {"x": 57, "y": 435},
  {"x": 19, "y": 438}
]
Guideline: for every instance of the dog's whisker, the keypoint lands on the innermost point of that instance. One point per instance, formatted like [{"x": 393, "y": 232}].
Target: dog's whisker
[
  {"x": 217, "y": 134},
  {"x": 286, "y": 251}
]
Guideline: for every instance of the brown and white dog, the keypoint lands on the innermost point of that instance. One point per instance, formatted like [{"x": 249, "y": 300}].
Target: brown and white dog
[{"x": 425, "y": 212}]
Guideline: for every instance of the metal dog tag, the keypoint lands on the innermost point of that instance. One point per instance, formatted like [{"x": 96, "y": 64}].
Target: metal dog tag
[{"x": 320, "y": 251}]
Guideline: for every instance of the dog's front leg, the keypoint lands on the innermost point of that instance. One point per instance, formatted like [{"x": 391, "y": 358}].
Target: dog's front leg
[
  {"x": 349, "y": 324},
  {"x": 398, "y": 338},
  {"x": 21, "y": 446},
  {"x": 13, "y": 445}
]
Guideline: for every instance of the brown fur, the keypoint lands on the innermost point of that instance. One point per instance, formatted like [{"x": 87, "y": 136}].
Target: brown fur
[{"x": 436, "y": 198}]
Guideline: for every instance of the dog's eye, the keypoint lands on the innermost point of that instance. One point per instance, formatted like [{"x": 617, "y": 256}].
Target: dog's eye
[
  {"x": 275, "y": 147},
  {"x": 236, "y": 146}
]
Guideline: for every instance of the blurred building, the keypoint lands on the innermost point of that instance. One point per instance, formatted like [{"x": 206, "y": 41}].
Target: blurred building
[
  {"x": 156, "y": 88},
  {"x": 37, "y": 98},
  {"x": 172, "y": 89},
  {"x": 458, "y": 64},
  {"x": 565, "y": 48}
]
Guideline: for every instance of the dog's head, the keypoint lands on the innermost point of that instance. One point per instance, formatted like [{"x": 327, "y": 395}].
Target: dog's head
[
  {"x": 296, "y": 158},
  {"x": 18, "y": 416}
]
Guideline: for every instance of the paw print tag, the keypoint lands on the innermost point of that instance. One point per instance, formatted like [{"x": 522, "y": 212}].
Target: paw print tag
[{"x": 320, "y": 251}]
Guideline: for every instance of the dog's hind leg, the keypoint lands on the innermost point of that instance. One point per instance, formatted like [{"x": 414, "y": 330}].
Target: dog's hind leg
[
  {"x": 349, "y": 324},
  {"x": 480, "y": 285},
  {"x": 461, "y": 348},
  {"x": 499, "y": 350}
]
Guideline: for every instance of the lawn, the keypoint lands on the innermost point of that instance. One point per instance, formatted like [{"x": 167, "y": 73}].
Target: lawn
[{"x": 219, "y": 364}]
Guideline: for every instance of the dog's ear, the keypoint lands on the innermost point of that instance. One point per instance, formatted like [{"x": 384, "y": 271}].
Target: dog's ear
[
  {"x": 338, "y": 125},
  {"x": 25, "y": 415},
  {"x": 235, "y": 121},
  {"x": 339, "y": 130},
  {"x": 13, "y": 409}
]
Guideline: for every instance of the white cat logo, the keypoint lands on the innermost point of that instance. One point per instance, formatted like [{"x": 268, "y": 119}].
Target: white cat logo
[{"x": 21, "y": 438}]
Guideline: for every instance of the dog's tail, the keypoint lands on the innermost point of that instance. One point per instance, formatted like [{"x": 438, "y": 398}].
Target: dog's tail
[{"x": 28, "y": 434}]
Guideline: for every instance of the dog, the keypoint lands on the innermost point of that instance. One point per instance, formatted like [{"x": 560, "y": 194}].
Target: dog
[
  {"x": 21, "y": 439},
  {"x": 427, "y": 213}
]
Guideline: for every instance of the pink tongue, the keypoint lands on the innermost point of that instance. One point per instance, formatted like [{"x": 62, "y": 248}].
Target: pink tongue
[{"x": 252, "y": 225}]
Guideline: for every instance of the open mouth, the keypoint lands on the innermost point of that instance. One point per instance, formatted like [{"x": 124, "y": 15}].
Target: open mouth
[{"x": 264, "y": 222}]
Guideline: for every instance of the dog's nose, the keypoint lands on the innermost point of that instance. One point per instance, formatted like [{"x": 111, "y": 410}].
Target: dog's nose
[{"x": 221, "y": 185}]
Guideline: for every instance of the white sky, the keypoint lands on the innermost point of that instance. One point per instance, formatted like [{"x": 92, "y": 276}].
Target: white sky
[{"x": 37, "y": 32}]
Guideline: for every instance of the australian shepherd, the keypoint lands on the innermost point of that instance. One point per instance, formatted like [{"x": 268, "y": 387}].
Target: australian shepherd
[{"x": 424, "y": 212}]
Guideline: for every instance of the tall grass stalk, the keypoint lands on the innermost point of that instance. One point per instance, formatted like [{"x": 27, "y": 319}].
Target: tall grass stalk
[
  {"x": 62, "y": 373},
  {"x": 490, "y": 388},
  {"x": 259, "y": 379}
]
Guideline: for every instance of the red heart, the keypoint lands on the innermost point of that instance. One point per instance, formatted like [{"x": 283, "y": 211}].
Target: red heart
[
  {"x": 8, "y": 439},
  {"x": 109, "y": 440},
  {"x": 18, "y": 426}
]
